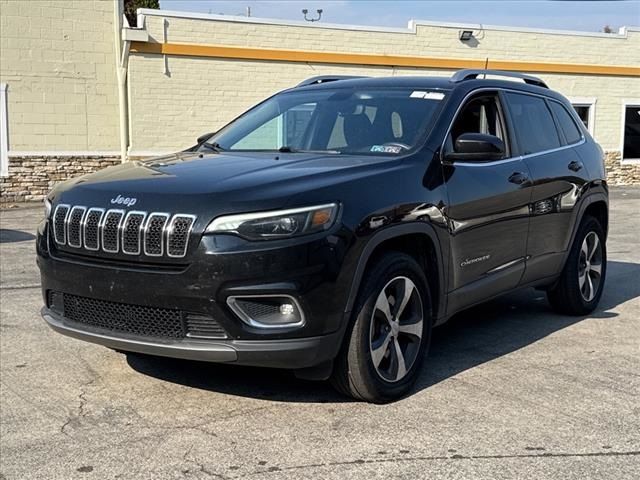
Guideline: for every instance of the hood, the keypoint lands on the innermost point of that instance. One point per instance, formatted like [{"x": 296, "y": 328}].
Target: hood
[{"x": 232, "y": 181}]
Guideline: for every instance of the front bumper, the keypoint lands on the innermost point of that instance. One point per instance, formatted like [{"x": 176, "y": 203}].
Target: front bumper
[{"x": 284, "y": 353}]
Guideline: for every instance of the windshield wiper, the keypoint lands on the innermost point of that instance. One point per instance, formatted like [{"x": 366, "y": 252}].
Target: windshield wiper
[
  {"x": 215, "y": 147},
  {"x": 288, "y": 149}
]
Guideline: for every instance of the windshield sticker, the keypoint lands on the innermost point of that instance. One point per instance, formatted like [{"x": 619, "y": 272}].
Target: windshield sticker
[
  {"x": 427, "y": 95},
  {"x": 386, "y": 149}
]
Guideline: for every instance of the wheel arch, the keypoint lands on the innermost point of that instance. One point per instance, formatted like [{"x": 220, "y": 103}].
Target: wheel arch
[{"x": 416, "y": 239}]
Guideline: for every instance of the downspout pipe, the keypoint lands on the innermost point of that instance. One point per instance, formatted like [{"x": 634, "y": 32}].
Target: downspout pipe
[{"x": 122, "y": 61}]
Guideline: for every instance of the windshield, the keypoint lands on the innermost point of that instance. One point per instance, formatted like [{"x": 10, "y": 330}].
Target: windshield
[{"x": 388, "y": 121}]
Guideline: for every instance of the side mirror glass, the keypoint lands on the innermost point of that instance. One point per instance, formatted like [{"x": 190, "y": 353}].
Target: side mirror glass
[{"x": 478, "y": 147}]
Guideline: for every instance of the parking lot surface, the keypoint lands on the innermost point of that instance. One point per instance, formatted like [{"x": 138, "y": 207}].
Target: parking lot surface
[{"x": 510, "y": 390}]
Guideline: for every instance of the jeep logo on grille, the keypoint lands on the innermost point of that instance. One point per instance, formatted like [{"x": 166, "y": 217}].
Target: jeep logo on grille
[{"x": 127, "y": 201}]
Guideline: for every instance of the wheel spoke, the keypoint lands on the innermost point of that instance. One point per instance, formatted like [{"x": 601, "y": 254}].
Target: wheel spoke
[
  {"x": 589, "y": 296},
  {"x": 402, "y": 368},
  {"x": 382, "y": 304},
  {"x": 406, "y": 296},
  {"x": 594, "y": 246},
  {"x": 414, "y": 329},
  {"x": 582, "y": 279},
  {"x": 584, "y": 250},
  {"x": 596, "y": 268},
  {"x": 377, "y": 354}
]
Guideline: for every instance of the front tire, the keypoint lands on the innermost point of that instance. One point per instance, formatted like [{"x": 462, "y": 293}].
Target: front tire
[
  {"x": 390, "y": 334},
  {"x": 580, "y": 286}
]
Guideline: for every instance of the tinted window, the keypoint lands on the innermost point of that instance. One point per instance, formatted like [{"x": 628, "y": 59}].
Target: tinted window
[
  {"x": 533, "y": 123},
  {"x": 568, "y": 126},
  {"x": 631, "y": 132}
]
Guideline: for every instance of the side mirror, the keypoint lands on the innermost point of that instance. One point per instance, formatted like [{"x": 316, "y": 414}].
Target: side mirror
[
  {"x": 476, "y": 147},
  {"x": 204, "y": 137}
]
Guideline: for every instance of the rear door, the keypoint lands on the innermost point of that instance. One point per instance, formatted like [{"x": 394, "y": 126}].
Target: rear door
[
  {"x": 488, "y": 209},
  {"x": 546, "y": 134}
]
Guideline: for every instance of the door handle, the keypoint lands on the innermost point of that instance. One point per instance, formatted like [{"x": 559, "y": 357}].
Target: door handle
[
  {"x": 575, "y": 166},
  {"x": 518, "y": 178}
]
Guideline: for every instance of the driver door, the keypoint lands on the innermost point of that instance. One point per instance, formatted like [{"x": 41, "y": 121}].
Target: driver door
[{"x": 488, "y": 208}]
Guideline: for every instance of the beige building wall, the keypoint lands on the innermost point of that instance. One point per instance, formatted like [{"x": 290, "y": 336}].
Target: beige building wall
[
  {"x": 174, "y": 99},
  {"x": 58, "y": 61}
]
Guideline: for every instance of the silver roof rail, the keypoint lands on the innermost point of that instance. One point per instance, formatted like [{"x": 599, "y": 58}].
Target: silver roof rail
[
  {"x": 468, "y": 74},
  {"x": 326, "y": 79}
]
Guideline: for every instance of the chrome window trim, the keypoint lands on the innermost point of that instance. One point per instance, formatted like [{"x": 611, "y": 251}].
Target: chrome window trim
[
  {"x": 64, "y": 229},
  {"x": 231, "y": 302},
  {"x": 510, "y": 159},
  {"x": 122, "y": 230},
  {"x": 84, "y": 228},
  {"x": 146, "y": 230},
  {"x": 170, "y": 231},
  {"x": 66, "y": 225},
  {"x": 102, "y": 224}
]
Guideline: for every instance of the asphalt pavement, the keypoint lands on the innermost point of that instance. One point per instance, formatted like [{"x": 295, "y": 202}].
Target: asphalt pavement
[{"x": 510, "y": 390}]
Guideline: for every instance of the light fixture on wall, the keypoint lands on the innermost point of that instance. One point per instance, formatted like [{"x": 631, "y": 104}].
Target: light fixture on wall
[
  {"x": 466, "y": 35},
  {"x": 305, "y": 12}
]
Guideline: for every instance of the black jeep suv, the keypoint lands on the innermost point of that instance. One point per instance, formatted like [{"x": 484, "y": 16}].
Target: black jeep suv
[{"x": 328, "y": 229}]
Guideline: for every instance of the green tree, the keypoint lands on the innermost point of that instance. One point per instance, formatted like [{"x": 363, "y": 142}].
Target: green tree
[{"x": 130, "y": 7}]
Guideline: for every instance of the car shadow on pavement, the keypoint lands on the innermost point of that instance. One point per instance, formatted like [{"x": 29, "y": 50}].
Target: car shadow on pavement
[
  {"x": 471, "y": 338},
  {"x": 13, "y": 236}
]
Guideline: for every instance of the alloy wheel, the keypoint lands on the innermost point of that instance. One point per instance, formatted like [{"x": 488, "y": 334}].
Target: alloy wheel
[
  {"x": 396, "y": 329},
  {"x": 590, "y": 266}
]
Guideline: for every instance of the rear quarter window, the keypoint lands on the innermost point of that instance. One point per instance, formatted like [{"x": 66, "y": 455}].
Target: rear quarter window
[
  {"x": 566, "y": 122},
  {"x": 533, "y": 123}
]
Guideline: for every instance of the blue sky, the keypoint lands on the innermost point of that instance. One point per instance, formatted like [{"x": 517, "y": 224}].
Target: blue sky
[{"x": 569, "y": 15}]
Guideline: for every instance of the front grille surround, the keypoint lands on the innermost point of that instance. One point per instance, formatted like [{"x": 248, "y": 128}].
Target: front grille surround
[{"x": 134, "y": 233}]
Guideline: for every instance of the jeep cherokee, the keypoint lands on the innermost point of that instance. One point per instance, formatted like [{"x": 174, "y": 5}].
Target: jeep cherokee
[{"x": 328, "y": 229}]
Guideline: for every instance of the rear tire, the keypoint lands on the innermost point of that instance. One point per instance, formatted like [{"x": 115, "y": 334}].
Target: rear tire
[
  {"x": 390, "y": 333},
  {"x": 580, "y": 286}
]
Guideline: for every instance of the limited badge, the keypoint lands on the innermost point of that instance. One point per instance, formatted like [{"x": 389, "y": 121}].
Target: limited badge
[{"x": 386, "y": 149}]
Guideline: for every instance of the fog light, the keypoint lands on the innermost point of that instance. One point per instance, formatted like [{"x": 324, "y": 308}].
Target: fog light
[
  {"x": 268, "y": 311},
  {"x": 286, "y": 309}
]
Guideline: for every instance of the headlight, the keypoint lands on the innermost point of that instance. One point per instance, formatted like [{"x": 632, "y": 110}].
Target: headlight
[
  {"x": 277, "y": 224},
  {"x": 47, "y": 208}
]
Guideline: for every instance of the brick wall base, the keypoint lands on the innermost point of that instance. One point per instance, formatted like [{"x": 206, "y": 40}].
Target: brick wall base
[
  {"x": 619, "y": 173},
  {"x": 31, "y": 178}
]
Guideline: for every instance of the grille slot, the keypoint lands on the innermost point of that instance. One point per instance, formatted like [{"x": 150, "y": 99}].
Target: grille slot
[
  {"x": 124, "y": 318},
  {"x": 154, "y": 234},
  {"x": 91, "y": 228},
  {"x": 74, "y": 224},
  {"x": 59, "y": 223},
  {"x": 202, "y": 326},
  {"x": 178, "y": 237},
  {"x": 111, "y": 229},
  {"x": 131, "y": 232}
]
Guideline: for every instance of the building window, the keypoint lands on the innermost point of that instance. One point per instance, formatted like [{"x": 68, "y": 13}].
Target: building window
[
  {"x": 4, "y": 132},
  {"x": 585, "y": 108},
  {"x": 631, "y": 131}
]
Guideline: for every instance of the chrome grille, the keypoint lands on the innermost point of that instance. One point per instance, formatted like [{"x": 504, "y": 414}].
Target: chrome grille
[
  {"x": 59, "y": 223},
  {"x": 117, "y": 231},
  {"x": 111, "y": 230},
  {"x": 91, "y": 228},
  {"x": 154, "y": 234},
  {"x": 74, "y": 224},
  {"x": 179, "y": 230},
  {"x": 131, "y": 232}
]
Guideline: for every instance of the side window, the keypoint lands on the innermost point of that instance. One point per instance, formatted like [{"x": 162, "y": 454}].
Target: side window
[
  {"x": 533, "y": 123},
  {"x": 479, "y": 115},
  {"x": 566, "y": 122}
]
